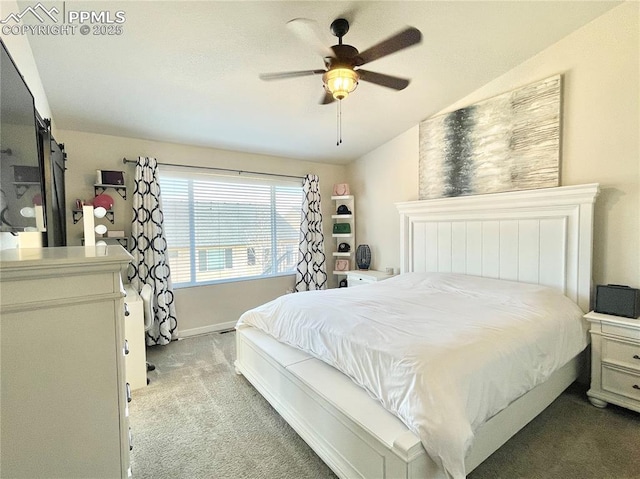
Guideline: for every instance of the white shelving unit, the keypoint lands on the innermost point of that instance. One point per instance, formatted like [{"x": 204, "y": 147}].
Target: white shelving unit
[{"x": 349, "y": 238}]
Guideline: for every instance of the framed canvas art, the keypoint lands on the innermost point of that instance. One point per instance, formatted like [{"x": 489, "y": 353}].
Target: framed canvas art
[{"x": 506, "y": 143}]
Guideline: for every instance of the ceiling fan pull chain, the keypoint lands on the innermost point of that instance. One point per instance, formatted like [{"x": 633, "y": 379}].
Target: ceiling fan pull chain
[{"x": 339, "y": 123}]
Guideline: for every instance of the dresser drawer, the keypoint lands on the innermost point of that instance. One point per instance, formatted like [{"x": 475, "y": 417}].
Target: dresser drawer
[
  {"x": 621, "y": 382},
  {"x": 621, "y": 353}
]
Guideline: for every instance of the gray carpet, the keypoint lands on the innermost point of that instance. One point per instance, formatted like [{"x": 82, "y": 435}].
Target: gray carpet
[{"x": 198, "y": 419}]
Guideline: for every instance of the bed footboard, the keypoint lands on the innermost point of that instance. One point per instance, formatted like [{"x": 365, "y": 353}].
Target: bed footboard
[{"x": 352, "y": 433}]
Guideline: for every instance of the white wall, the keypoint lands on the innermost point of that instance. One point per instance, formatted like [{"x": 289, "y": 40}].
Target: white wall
[
  {"x": 202, "y": 308},
  {"x": 600, "y": 143},
  {"x": 380, "y": 179}
]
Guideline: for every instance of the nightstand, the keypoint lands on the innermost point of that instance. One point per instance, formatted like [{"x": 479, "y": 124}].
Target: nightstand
[
  {"x": 361, "y": 276},
  {"x": 615, "y": 361}
]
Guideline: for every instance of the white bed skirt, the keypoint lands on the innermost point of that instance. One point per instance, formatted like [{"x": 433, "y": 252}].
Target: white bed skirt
[{"x": 352, "y": 433}]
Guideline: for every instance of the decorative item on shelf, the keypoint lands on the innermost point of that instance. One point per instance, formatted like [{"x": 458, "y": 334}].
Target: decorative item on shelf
[
  {"x": 104, "y": 201},
  {"x": 99, "y": 212},
  {"x": 89, "y": 226},
  {"x": 341, "y": 228},
  {"x": 342, "y": 265},
  {"x": 363, "y": 256},
  {"x": 343, "y": 210},
  {"x": 344, "y": 248},
  {"x": 340, "y": 189},
  {"x": 109, "y": 177},
  {"x": 343, "y": 283}
]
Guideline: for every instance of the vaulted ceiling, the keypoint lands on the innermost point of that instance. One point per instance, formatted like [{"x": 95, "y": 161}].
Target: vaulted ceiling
[{"x": 188, "y": 72}]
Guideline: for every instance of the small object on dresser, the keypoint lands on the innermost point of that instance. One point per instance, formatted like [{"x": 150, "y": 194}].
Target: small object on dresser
[
  {"x": 343, "y": 283},
  {"x": 363, "y": 256},
  {"x": 618, "y": 300}
]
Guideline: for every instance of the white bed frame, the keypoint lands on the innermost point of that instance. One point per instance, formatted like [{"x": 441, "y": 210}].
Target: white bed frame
[{"x": 537, "y": 236}]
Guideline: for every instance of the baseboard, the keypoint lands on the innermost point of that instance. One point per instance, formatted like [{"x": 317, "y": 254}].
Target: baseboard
[{"x": 185, "y": 333}]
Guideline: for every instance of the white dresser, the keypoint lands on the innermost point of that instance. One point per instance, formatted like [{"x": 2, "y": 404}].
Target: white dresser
[
  {"x": 136, "y": 359},
  {"x": 64, "y": 397},
  {"x": 361, "y": 276},
  {"x": 615, "y": 361}
]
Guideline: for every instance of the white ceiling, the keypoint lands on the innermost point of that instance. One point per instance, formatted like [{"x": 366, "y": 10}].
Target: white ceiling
[{"x": 187, "y": 72}]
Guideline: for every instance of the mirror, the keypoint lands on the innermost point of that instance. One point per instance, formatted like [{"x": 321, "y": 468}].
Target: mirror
[{"x": 21, "y": 205}]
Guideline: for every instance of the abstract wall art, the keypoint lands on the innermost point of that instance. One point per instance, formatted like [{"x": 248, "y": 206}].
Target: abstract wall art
[{"x": 506, "y": 143}]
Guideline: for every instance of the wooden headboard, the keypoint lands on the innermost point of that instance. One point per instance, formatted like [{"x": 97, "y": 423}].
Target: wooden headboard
[{"x": 541, "y": 236}]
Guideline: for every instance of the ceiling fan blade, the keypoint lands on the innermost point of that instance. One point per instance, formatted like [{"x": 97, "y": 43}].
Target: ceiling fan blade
[
  {"x": 309, "y": 32},
  {"x": 283, "y": 75},
  {"x": 397, "y": 42},
  {"x": 381, "y": 79},
  {"x": 327, "y": 98}
]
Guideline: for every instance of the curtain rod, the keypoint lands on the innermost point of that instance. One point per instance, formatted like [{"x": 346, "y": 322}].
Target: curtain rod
[{"x": 125, "y": 161}]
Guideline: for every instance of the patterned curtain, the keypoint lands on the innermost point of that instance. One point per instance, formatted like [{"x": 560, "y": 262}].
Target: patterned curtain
[
  {"x": 149, "y": 250},
  {"x": 311, "y": 270}
]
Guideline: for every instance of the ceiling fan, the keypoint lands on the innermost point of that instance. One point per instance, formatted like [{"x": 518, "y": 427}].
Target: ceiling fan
[{"x": 342, "y": 62}]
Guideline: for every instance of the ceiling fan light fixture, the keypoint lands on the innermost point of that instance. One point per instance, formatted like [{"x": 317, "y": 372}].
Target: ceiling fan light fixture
[{"x": 340, "y": 82}]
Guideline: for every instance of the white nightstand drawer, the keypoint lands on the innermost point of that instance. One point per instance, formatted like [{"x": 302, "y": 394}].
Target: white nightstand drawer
[
  {"x": 358, "y": 280},
  {"x": 621, "y": 353},
  {"x": 621, "y": 382},
  {"x": 360, "y": 277},
  {"x": 622, "y": 330}
]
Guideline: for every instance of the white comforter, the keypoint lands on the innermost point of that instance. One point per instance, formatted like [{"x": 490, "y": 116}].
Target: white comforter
[{"x": 443, "y": 352}]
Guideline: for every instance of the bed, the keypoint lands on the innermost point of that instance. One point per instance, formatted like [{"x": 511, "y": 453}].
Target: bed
[{"x": 537, "y": 237}]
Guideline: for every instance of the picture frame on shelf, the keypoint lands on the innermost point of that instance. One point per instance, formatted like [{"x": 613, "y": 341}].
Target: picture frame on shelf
[{"x": 110, "y": 177}]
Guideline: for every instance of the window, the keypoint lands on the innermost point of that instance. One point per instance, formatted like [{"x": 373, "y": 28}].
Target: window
[{"x": 227, "y": 228}]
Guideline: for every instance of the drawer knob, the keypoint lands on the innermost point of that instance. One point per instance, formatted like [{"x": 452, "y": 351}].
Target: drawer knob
[{"x": 126, "y": 309}]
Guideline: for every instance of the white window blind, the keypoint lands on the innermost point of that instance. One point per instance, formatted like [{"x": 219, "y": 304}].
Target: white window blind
[{"x": 226, "y": 228}]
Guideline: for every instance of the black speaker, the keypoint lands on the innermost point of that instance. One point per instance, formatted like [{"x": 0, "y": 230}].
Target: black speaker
[{"x": 618, "y": 300}]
